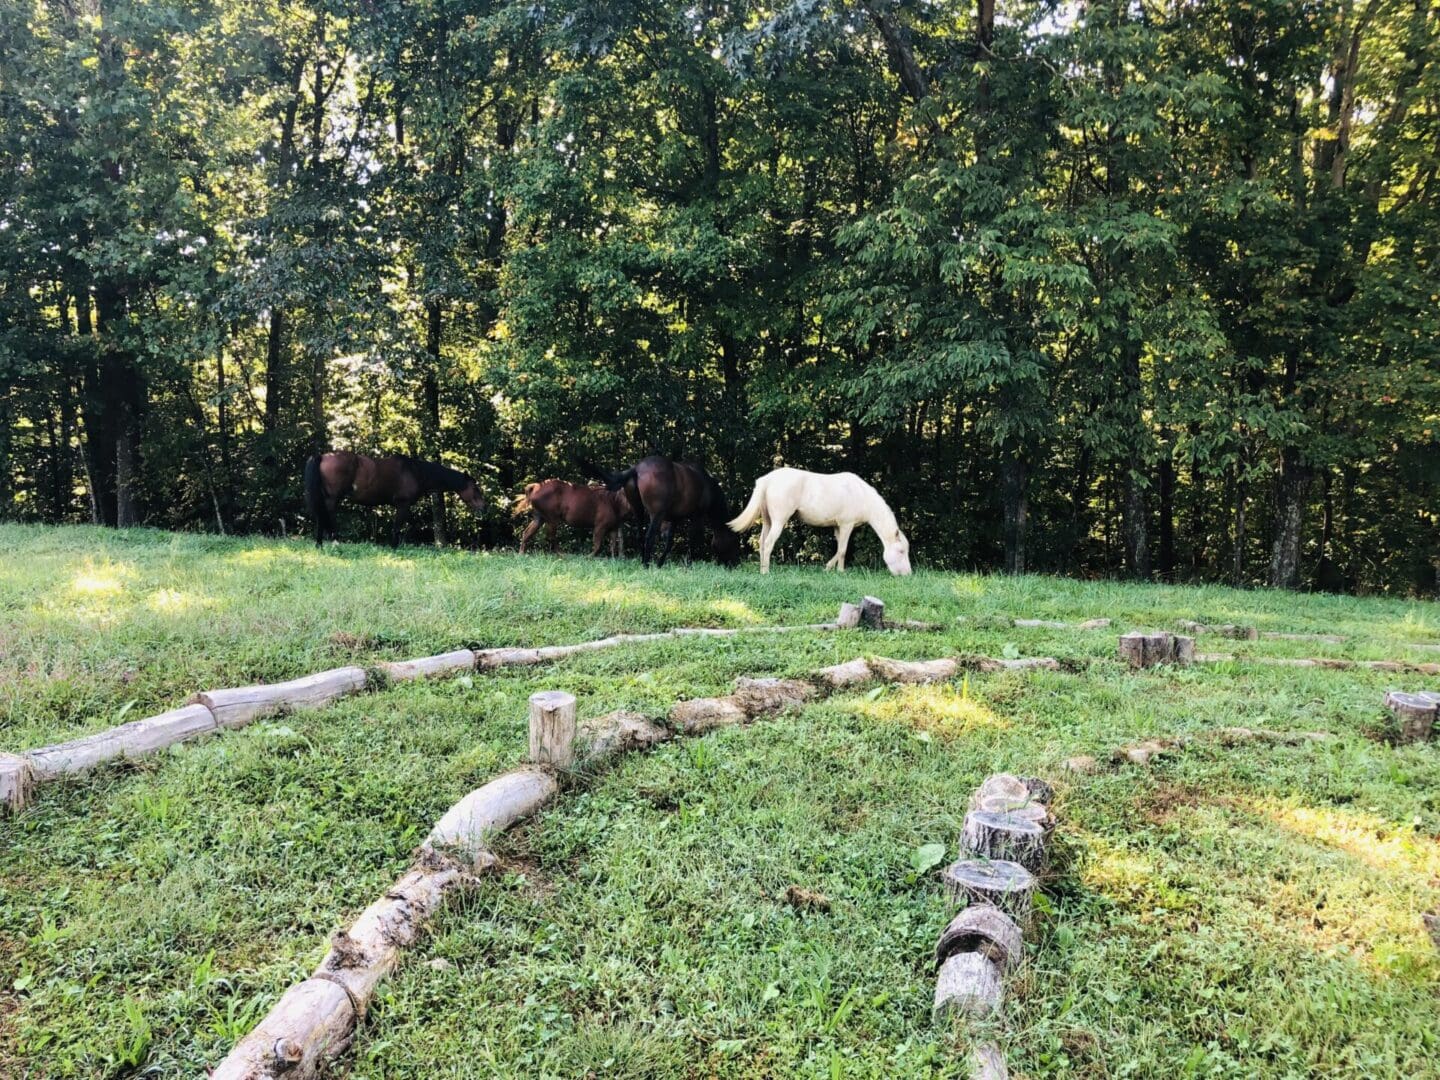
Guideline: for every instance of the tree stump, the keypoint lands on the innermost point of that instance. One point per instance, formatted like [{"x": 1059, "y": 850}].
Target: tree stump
[
  {"x": 1132, "y": 648},
  {"x": 849, "y": 616},
  {"x": 1007, "y": 885},
  {"x": 1004, "y": 837},
  {"x": 552, "y": 728},
  {"x": 1150, "y": 650},
  {"x": 985, "y": 929},
  {"x": 1182, "y": 650},
  {"x": 872, "y": 613},
  {"x": 1028, "y": 809},
  {"x": 1414, "y": 713},
  {"x": 968, "y": 984}
]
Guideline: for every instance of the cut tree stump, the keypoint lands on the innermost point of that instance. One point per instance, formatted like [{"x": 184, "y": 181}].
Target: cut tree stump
[
  {"x": 1414, "y": 713},
  {"x": 17, "y": 782},
  {"x": 132, "y": 740},
  {"x": 425, "y": 667},
  {"x": 984, "y": 929},
  {"x": 872, "y": 613},
  {"x": 1028, "y": 809},
  {"x": 236, "y": 707},
  {"x": 1004, "y": 837},
  {"x": 1150, "y": 650},
  {"x": 1002, "y": 785},
  {"x": 968, "y": 985},
  {"x": 1007, "y": 885},
  {"x": 849, "y": 616},
  {"x": 552, "y": 728}
]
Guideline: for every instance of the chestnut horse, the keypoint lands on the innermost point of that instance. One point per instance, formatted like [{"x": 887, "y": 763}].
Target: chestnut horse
[
  {"x": 672, "y": 491},
  {"x": 396, "y": 480},
  {"x": 558, "y": 502}
]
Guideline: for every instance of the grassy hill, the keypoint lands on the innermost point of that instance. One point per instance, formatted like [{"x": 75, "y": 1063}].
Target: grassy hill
[{"x": 1245, "y": 911}]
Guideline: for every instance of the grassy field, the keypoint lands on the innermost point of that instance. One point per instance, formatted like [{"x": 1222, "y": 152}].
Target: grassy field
[{"x": 1241, "y": 912}]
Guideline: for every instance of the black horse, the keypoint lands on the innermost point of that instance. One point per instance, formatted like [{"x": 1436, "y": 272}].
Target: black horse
[
  {"x": 396, "y": 481},
  {"x": 670, "y": 491}
]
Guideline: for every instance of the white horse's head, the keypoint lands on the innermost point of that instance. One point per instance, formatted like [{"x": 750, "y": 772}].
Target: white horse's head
[{"x": 897, "y": 554}]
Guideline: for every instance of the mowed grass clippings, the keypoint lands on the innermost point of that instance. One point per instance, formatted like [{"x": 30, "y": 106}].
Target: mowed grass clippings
[{"x": 1244, "y": 911}]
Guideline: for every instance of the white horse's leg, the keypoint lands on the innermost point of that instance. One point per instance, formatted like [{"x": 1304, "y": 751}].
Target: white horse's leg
[
  {"x": 842, "y": 541},
  {"x": 764, "y": 539},
  {"x": 767, "y": 542}
]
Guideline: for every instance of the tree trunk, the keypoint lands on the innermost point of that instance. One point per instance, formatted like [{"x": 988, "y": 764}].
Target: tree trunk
[
  {"x": 1167, "y": 508},
  {"x": 1013, "y": 481},
  {"x": 430, "y": 414},
  {"x": 1292, "y": 488}
]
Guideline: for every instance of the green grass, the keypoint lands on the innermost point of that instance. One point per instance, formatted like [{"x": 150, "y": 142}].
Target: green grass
[{"x": 1243, "y": 912}]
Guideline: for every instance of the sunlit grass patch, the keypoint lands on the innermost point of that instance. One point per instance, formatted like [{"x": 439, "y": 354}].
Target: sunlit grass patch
[{"x": 943, "y": 710}]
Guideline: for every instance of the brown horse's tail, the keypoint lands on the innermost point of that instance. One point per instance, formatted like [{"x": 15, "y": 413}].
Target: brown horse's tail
[
  {"x": 522, "y": 501},
  {"x": 315, "y": 497}
]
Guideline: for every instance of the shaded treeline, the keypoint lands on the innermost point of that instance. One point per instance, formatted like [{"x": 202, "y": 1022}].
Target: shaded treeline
[{"x": 1101, "y": 288}]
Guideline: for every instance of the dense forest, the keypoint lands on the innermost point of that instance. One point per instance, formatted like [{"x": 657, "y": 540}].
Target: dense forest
[{"x": 1130, "y": 287}]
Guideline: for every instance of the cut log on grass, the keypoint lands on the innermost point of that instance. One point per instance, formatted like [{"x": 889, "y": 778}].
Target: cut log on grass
[
  {"x": 313, "y": 1022},
  {"x": 1010, "y": 837},
  {"x": 17, "y": 782},
  {"x": 1080, "y": 764},
  {"x": 984, "y": 929},
  {"x": 872, "y": 613},
  {"x": 486, "y": 659},
  {"x": 1332, "y": 639},
  {"x": 849, "y": 616},
  {"x": 759, "y": 696},
  {"x": 1040, "y": 624},
  {"x": 991, "y": 664},
  {"x": 1007, "y": 885},
  {"x": 426, "y": 667},
  {"x": 968, "y": 985},
  {"x": 132, "y": 740},
  {"x": 703, "y": 631},
  {"x": 467, "y": 827},
  {"x": 989, "y": 1063},
  {"x": 850, "y": 673},
  {"x": 615, "y": 733},
  {"x": 699, "y": 715},
  {"x": 1094, "y": 624},
  {"x": 552, "y": 728},
  {"x": 236, "y": 707},
  {"x": 916, "y": 671},
  {"x": 1230, "y": 630},
  {"x": 1414, "y": 714}
]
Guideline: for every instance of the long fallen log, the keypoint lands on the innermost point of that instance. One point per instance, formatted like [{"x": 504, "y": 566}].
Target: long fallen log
[
  {"x": 1394, "y": 667},
  {"x": 132, "y": 740},
  {"x": 240, "y": 705}
]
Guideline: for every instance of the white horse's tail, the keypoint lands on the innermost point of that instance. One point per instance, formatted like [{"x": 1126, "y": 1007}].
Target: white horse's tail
[{"x": 751, "y": 513}]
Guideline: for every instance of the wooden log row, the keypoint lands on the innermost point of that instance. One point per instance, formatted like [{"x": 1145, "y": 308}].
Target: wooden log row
[
  {"x": 314, "y": 1021},
  {"x": 1052, "y": 624},
  {"x": 226, "y": 709},
  {"x": 1230, "y": 630},
  {"x": 1150, "y": 650},
  {"x": 1415, "y": 714},
  {"x": 1143, "y": 753},
  {"x": 1394, "y": 667}
]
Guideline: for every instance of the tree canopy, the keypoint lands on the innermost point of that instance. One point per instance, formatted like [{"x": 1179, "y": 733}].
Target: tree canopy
[{"x": 1142, "y": 287}]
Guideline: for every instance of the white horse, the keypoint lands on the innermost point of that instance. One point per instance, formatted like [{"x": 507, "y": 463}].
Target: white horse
[{"x": 841, "y": 500}]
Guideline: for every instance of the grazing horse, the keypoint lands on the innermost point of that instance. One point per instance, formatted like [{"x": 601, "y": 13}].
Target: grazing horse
[
  {"x": 841, "y": 500},
  {"x": 557, "y": 502},
  {"x": 396, "y": 480},
  {"x": 671, "y": 491}
]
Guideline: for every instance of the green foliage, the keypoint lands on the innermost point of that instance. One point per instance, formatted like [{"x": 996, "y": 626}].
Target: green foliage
[{"x": 1098, "y": 288}]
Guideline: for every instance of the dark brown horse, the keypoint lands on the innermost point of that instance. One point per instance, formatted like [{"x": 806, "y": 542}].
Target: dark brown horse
[
  {"x": 558, "y": 502},
  {"x": 672, "y": 491},
  {"x": 397, "y": 481}
]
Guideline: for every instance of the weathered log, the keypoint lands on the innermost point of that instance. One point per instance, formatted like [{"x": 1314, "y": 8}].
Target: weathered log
[
  {"x": 1414, "y": 714},
  {"x": 703, "y": 631},
  {"x": 849, "y": 616},
  {"x": 989, "y": 1063},
  {"x": 758, "y": 696},
  {"x": 991, "y": 664},
  {"x": 1009, "y": 837},
  {"x": 1007, "y": 885},
  {"x": 1143, "y": 753},
  {"x": 17, "y": 782},
  {"x": 467, "y": 826},
  {"x": 1094, "y": 624},
  {"x": 850, "y": 673},
  {"x": 1332, "y": 639},
  {"x": 312, "y": 1022},
  {"x": 425, "y": 667},
  {"x": 552, "y": 728},
  {"x": 699, "y": 715},
  {"x": 1036, "y": 624},
  {"x": 984, "y": 929},
  {"x": 917, "y": 671},
  {"x": 872, "y": 613},
  {"x": 1080, "y": 764},
  {"x": 236, "y": 707},
  {"x": 132, "y": 740},
  {"x": 486, "y": 659},
  {"x": 968, "y": 985},
  {"x": 1230, "y": 630},
  {"x": 615, "y": 733}
]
